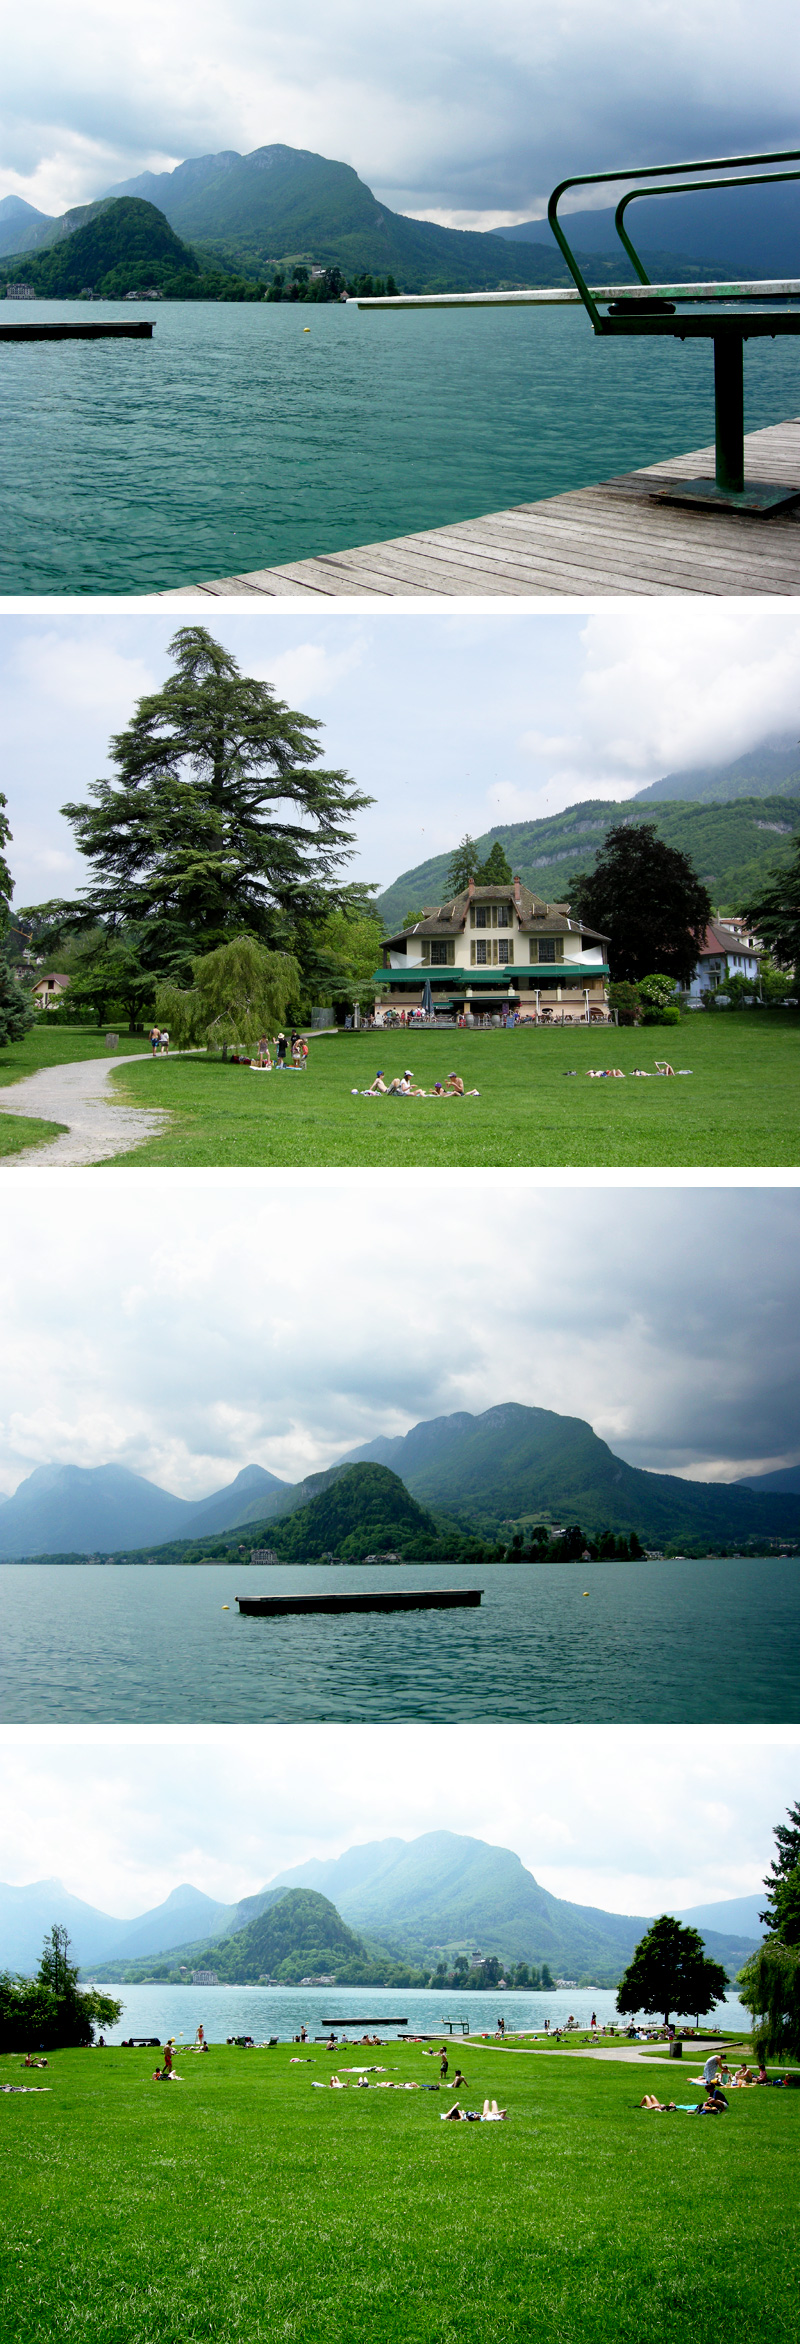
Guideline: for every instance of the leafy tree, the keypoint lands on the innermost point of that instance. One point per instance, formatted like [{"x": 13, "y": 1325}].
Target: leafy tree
[
  {"x": 671, "y": 1971},
  {"x": 410, "y": 918},
  {"x": 784, "y": 1863},
  {"x": 6, "y": 881},
  {"x": 238, "y": 993},
  {"x": 658, "y": 991},
  {"x": 218, "y": 819},
  {"x": 776, "y": 915},
  {"x": 348, "y": 951},
  {"x": 773, "y": 983},
  {"x": 625, "y": 999},
  {"x": 496, "y": 871},
  {"x": 548, "y": 1982},
  {"x": 52, "y": 2009},
  {"x": 769, "y": 1984},
  {"x": 463, "y": 865},
  {"x": 16, "y": 1012},
  {"x": 646, "y": 898}
]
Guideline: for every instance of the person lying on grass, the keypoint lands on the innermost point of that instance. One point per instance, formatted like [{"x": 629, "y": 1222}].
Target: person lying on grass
[{"x": 458, "y": 2115}]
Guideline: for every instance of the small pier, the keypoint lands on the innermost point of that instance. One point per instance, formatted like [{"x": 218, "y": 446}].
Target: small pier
[
  {"x": 265, "y": 1607},
  {"x": 615, "y": 538},
  {"x": 138, "y": 329}
]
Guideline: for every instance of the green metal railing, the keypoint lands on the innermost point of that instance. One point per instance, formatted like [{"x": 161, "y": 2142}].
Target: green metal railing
[{"x": 664, "y": 311}]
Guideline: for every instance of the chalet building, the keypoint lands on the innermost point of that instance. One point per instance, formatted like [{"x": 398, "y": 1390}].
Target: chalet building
[
  {"x": 491, "y": 948},
  {"x": 49, "y": 991},
  {"x": 727, "y": 950}
]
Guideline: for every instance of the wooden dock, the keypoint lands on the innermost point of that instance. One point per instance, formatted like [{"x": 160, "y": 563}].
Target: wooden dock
[
  {"x": 272, "y": 1607},
  {"x": 138, "y": 329},
  {"x": 615, "y": 538}
]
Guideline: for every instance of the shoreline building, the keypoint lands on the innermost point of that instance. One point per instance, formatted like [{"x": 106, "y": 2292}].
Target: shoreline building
[
  {"x": 727, "y": 950},
  {"x": 494, "y": 948}
]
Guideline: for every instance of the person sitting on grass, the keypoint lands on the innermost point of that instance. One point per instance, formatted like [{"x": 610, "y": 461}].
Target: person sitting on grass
[
  {"x": 376, "y": 1088},
  {"x": 744, "y": 2077}
]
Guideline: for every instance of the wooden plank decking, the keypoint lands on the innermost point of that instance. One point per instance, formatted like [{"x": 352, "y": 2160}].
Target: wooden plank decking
[{"x": 610, "y": 539}]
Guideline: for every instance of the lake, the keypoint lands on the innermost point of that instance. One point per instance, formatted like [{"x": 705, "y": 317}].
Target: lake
[
  {"x": 651, "y": 1642},
  {"x": 263, "y": 2010},
  {"x": 234, "y": 440}
]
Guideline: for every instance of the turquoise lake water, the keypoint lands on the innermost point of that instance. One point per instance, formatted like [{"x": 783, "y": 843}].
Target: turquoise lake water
[
  {"x": 263, "y": 2011},
  {"x": 235, "y": 440},
  {"x": 655, "y": 1642}
]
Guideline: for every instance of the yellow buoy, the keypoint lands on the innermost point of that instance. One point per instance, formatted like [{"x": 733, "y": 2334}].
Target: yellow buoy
[
  {"x": 226, "y": 1607},
  {"x": 586, "y": 1591},
  {"x": 306, "y": 329}
]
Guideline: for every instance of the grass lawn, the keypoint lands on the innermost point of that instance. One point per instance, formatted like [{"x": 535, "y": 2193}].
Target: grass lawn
[
  {"x": 739, "y": 1105},
  {"x": 18, "y": 1132},
  {"x": 242, "y": 2205}
]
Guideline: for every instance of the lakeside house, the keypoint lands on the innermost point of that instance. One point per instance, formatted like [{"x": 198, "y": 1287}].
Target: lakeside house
[
  {"x": 49, "y": 991},
  {"x": 728, "y": 949},
  {"x": 495, "y": 948}
]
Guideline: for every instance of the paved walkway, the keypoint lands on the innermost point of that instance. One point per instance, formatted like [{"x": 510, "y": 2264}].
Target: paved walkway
[{"x": 79, "y": 1096}]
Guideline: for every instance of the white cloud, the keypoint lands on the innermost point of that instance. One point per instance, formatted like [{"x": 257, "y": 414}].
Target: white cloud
[
  {"x": 627, "y": 1817},
  {"x": 285, "y": 1326},
  {"x": 440, "y": 108}
]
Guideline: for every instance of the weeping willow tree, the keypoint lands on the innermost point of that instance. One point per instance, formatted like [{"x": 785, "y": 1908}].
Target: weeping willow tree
[
  {"x": 769, "y": 1984},
  {"x": 769, "y": 1987},
  {"x": 237, "y": 993}
]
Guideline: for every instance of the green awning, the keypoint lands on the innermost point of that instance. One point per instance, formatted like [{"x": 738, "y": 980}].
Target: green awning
[{"x": 551, "y": 972}]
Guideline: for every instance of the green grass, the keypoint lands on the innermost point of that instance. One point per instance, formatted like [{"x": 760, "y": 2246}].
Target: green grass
[
  {"x": 240, "y": 2206},
  {"x": 18, "y": 1132},
  {"x": 741, "y": 1104},
  {"x": 51, "y": 1045}
]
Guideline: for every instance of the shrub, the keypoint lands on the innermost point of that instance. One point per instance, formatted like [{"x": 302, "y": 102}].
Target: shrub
[{"x": 669, "y": 1015}]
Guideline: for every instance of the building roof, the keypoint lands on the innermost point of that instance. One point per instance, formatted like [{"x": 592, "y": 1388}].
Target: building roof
[
  {"x": 718, "y": 937},
  {"x": 535, "y": 916}
]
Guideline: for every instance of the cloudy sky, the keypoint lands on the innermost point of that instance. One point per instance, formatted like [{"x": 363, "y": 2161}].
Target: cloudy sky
[
  {"x": 626, "y": 1817},
  {"x": 450, "y": 723},
  {"x": 445, "y": 110},
  {"x": 186, "y": 1330}
]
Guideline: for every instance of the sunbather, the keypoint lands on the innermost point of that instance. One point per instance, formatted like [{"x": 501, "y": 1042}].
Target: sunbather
[
  {"x": 658, "y": 2107},
  {"x": 492, "y": 2114},
  {"x": 377, "y": 1087}
]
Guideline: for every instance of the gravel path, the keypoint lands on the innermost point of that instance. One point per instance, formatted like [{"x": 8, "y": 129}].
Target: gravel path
[{"x": 79, "y": 1095}]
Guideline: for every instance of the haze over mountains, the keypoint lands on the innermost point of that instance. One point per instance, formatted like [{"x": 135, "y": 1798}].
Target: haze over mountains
[
  {"x": 443, "y": 1892},
  {"x": 734, "y": 821},
  {"x": 509, "y": 1464}
]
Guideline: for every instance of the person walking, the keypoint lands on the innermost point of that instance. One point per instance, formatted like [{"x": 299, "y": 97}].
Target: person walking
[{"x": 155, "y": 1037}]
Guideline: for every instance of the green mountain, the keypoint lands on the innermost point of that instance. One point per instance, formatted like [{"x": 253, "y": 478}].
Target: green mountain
[
  {"x": 445, "y": 1892},
  {"x": 283, "y": 204},
  {"x": 125, "y": 247},
  {"x": 295, "y": 1933},
  {"x": 387, "y": 1914},
  {"x": 731, "y": 844},
  {"x": 772, "y": 769},
  {"x": 363, "y": 1510},
  {"x": 517, "y": 1464}
]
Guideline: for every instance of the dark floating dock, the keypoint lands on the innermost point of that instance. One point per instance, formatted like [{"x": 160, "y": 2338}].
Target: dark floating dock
[
  {"x": 139, "y": 329},
  {"x": 270, "y": 1607}
]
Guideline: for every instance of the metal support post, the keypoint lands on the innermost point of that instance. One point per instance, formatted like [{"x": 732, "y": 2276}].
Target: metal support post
[{"x": 729, "y": 411}]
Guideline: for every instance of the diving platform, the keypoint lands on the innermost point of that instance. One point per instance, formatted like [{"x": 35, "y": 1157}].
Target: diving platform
[{"x": 619, "y": 537}]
